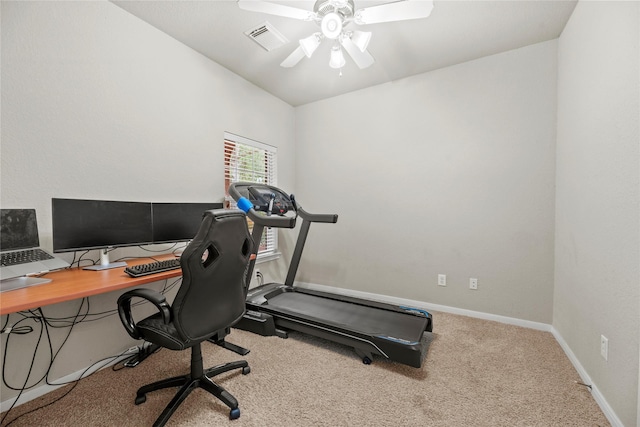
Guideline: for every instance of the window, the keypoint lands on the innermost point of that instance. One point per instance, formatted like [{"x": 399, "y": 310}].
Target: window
[{"x": 250, "y": 161}]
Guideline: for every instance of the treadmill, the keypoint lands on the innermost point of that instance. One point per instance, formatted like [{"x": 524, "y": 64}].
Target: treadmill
[{"x": 372, "y": 328}]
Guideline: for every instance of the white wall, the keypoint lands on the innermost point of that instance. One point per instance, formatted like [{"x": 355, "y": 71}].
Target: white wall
[
  {"x": 597, "y": 279},
  {"x": 449, "y": 172},
  {"x": 98, "y": 104}
]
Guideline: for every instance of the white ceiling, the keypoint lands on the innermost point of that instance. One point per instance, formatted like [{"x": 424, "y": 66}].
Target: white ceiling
[{"x": 456, "y": 32}]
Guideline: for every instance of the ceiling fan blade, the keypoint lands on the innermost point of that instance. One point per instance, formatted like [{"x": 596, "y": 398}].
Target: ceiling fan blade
[
  {"x": 363, "y": 59},
  {"x": 276, "y": 9},
  {"x": 397, "y": 11},
  {"x": 294, "y": 58}
]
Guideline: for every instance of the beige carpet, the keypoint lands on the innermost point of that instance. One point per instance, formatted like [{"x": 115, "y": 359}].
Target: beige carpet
[{"x": 477, "y": 373}]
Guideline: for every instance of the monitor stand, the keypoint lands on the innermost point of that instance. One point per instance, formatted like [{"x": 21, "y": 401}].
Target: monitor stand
[
  {"x": 21, "y": 282},
  {"x": 104, "y": 262}
]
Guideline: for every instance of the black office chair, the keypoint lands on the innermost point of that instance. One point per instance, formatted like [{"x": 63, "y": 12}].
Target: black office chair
[{"x": 210, "y": 299}]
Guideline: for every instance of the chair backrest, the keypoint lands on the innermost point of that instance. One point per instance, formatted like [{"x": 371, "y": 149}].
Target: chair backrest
[{"x": 213, "y": 290}]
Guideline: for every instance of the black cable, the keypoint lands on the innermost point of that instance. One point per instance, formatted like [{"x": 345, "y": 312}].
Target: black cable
[
  {"x": 44, "y": 326},
  {"x": 175, "y": 251},
  {"x": 138, "y": 257},
  {"x": 171, "y": 248},
  {"x": 141, "y": 348},
  {"x": 80, "y": 258},
  {"x": 91, "y": 317},
  {"x": 45, "y": 323},
  {"x": 75, "y": 322},
  {"x": 63, "y": 322},
  {"x": 23, "y": 330},
  {"x": 24, "y": 386},
  {"x": 75, "y": 383},
  {"x": 4, "y": 362},
  {"x": 51, "y": 320},
  {"x": 48, "y": 322},
  {"x": 166, "y": 288}
]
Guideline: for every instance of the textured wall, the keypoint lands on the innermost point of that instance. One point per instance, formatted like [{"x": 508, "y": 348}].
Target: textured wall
[
  {"x": 449, "y": 172},
  {"x": 597, "y": 275}
]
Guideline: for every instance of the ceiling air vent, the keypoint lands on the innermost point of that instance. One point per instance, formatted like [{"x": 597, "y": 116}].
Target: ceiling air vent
[{"x": 267, "y": 36}]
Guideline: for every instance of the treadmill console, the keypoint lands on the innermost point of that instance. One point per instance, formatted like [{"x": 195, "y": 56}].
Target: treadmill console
[{"x": 268, "y": 199}]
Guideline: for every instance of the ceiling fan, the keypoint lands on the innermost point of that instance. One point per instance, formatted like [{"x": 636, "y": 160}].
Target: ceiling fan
[{"x": 333, "y": 17}]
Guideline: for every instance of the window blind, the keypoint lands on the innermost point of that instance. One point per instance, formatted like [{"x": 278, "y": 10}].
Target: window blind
[{"x": 251, "y": 161}]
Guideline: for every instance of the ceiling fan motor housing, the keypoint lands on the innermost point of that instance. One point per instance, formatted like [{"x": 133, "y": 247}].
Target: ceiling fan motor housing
[
  {"x": 332, "y": 14},
  {"x": 331, "y": 25}
]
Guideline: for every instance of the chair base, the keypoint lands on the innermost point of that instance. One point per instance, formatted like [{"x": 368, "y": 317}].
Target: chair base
[{"x": 188, "y": 383}]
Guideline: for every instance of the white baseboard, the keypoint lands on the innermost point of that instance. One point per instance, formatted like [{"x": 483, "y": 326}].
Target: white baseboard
[
  {"x": 599, "y": 398},
  {"x": 586, "y": 379}
]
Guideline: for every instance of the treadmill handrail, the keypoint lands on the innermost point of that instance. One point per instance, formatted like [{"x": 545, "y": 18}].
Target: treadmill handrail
[
  {"x": 329, "y": 218},
  {"x": 275, "y": 221}
]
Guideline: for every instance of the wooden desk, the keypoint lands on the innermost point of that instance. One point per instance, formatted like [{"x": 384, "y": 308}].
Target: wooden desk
[{"x": 75, "y": 283}]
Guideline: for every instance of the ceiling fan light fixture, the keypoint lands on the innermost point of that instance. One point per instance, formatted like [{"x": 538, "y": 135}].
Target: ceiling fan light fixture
[
  {"x": 310, "y": 44},
  {"x": 331, "y": 25},
  {"x": 332, "y": 16},
  {"x": 337, "y": 58},
  {"x": 361, "y": 39}
]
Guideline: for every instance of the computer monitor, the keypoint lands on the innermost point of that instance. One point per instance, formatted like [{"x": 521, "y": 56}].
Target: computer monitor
[
  {"x": 98, "y": 224},
  {"x": 178, "y": 222}
]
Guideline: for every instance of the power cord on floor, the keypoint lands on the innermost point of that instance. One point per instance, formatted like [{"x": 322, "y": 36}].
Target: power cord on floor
[
  {"x": 144, "y": 350},
  {"x": 586, "y": 385}
]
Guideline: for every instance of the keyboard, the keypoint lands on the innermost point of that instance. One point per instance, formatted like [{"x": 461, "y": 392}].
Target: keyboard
[
  {"x": 152, "y": 267},
  {"x": 23, "y": 257}
]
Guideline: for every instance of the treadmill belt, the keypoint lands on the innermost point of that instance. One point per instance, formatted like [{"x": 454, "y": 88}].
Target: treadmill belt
[{"x": 358, "y": 318}]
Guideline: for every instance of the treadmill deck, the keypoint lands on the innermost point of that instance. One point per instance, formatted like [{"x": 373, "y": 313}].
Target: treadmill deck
[{"x": 367, "y": 320}]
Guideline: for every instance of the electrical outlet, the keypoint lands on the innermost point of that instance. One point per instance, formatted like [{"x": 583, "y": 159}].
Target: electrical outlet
[
  {"x": 258, "y": 276},
  {"x": 442, "y": 280},
  {"x": 604, "y": 347},
  {"x": 473, "y": 283}
]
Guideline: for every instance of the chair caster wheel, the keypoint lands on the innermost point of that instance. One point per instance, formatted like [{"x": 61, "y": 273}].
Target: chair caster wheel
[
  {"x": 141, "y": 399},
  {"x": 246, "y": 370},
  {"x": 366, "y": 360},
  {"x": 234, "y": 414}
]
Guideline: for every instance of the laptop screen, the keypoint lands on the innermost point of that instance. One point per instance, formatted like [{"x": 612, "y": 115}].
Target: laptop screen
[{"x": 18, "y": 229}]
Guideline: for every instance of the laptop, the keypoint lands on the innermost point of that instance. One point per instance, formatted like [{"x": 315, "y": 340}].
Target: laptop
[{"x": 20, "y": 250}]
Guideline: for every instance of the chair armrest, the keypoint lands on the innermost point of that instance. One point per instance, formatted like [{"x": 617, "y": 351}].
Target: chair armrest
[{"x": 124, "y": 308}]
